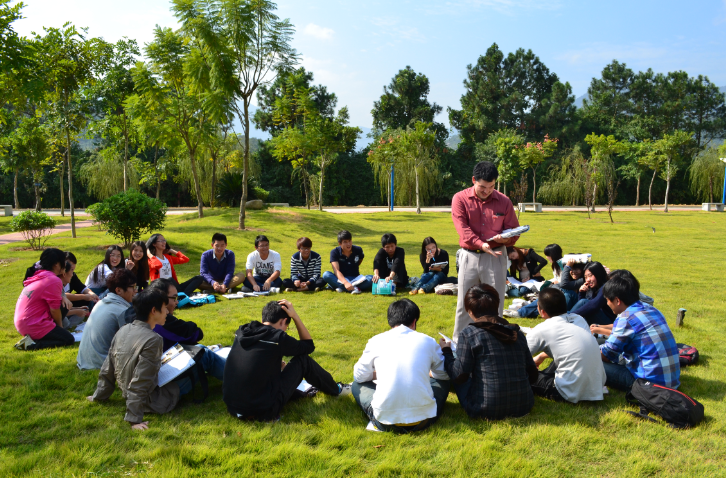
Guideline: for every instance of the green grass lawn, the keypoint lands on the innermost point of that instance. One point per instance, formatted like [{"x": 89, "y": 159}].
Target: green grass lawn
[
  {"x": 49, "y": 429},
  {"x": 5, "y": 222}
]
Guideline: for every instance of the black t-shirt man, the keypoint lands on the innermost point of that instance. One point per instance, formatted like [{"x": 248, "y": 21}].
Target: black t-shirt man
[{"x": 386, "y": 264}]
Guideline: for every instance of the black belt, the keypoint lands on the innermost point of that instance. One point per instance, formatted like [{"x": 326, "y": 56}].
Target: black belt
[{"x": 479, "y": 251}]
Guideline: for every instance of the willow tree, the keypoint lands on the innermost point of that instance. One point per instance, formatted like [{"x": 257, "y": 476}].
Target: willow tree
[{"x": 706, "y": 174}]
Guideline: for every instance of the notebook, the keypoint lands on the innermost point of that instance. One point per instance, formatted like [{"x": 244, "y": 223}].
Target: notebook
[{"x": 174, "y": 362}]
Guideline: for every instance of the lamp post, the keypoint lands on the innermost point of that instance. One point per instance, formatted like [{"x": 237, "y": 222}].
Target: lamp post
[{"x": 723, "y": 195}]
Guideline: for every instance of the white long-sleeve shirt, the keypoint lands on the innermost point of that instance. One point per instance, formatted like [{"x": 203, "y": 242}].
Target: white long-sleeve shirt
[{"x": 401, "y": 359}]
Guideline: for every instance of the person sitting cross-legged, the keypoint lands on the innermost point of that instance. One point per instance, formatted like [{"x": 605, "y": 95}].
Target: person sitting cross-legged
[
  {"x": 134, "y": 360},
  {"x": 106, "y": 319},
  {"x": 576, "y": 373},
  {"x": 346, "y": 260},
  {"x": 257, "y": 383},
  {"x": 390, "y": 262},
  {"x": 641, "y": 335},
  {"x": 305, "y": 268},
  {"x": 411, "y": 385},
  {"x": 263, "y": 267},
  {"x": 493, "y": 370},
  {"x": 217, "y": 267}
]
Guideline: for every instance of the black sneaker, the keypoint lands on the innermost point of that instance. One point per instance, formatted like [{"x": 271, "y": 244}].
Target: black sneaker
[{"x": 344, "y": 389}]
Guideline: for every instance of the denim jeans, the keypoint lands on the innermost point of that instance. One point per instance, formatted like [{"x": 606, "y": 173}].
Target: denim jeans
[
  {"x": 597, "y": 317},
  {"x": 332, "y": 281},
  {"x": 363, "y": 394},
  {"x": 212, "y": 363},
  {"x": 519, "y": 291},
  {"x": 529, "y": 311},
  {"x": 429, "y": 280},
  {"x": 618, "y": 376},
  {"x": 261, "y": 280},
  {"x": 572, "y": 298}
]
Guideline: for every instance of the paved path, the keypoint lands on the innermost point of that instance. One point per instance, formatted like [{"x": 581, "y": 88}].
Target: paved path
[
  {"x": 447, "y": 209},
  {"x": 17, "y": 237}
]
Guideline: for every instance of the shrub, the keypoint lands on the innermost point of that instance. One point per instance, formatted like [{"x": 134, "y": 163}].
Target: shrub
[
  {"x": 35, "y": 227},
  {"x": 126, "y": 216},
  {"x": 96, "y": 211},
  {"x": 229, "y": 189},
  {"x": 260, "y": 193}
]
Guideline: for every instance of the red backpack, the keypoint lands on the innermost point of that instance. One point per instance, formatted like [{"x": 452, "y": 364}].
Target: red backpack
[{"x": 687, "y": 354}]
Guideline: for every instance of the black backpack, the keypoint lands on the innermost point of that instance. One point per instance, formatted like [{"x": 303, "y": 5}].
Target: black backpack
[{"x": 676, "y": 408}]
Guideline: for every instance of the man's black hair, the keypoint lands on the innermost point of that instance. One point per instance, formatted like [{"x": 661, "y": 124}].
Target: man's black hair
[
  {"x": 344, "y": 236},
  {"x": 261, "y": 238},
  {"x": 71, "y": 257},
  {"x": 273, "y": 312},
  {"x": 403, "y": 312},
  {"x": 120, "y": 278},
  {"x": 486, "y": 171},
  {"x": 51, "y": 257},
  {"x": 388, "y": 239},
  {"x": 147, "y": 300},
  {"x": 552, "y": 301},
  {"x": 623, "y": 285},
  {"x": 218, "y": 236},
  {"x": 163, "y": 285}
]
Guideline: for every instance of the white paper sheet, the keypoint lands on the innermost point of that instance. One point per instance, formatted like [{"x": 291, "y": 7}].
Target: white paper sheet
[{"x": 175, "y": 362}]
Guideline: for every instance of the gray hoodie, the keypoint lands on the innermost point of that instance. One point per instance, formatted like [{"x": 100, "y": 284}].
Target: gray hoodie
[{"x": 106, "y": 319}]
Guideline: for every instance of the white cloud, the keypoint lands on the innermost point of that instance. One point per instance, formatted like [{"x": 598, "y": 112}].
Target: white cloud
[
  {"x": 391, "y": 26},
  {"x": 321, "y": 33}
]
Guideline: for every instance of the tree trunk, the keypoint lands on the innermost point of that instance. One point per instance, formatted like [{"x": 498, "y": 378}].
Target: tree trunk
[
  {"x": 505, "y": 188},
  {"x": 499, "y": 185},
  {"x": 214, "y": 177},
  {"x": 710, "y": 189},
  {"x": 418, "y": 202},
  {"x": 246, "y": 165},
  {"x": 15, "y": 189},
  {"x": 37, "y": 196},
  {"x": 70, "y": 185},
  {"x": 668, "y": 188},
  {"x": 62, "y": 172},
  {"x": 156, "y": 170},
  {"x": 322, "y": 177},
  {"x": 126, "y": 154},
  {"x": 637, "y": 193},
  {"x": 197, "y": 188},
  {"x": 650, "y": 190},
  {"x": 594, "y": 195},
  {"x": 534, "y": 185}
]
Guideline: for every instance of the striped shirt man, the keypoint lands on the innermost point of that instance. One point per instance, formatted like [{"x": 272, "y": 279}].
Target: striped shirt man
[{"x": 305, "y": 271}]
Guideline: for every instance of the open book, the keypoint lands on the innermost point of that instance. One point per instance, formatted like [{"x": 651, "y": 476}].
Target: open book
[
  {"x": 174, "y": 362},
  {"x": 240, "y": 294},
  {"x": 530, "y": 284},
  {"x": 453, "y": 344},
  {"x": 358, "y": 280},
  {"x": 507, "y": 233},
  {"x": 439, "y": 264}
]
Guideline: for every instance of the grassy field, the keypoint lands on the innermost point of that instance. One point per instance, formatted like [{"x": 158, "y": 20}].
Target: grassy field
[
  {"x": 49, "y": 429},
  {"x": 5, "y": 222}
]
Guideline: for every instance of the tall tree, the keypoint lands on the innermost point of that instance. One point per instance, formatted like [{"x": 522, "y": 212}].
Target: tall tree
[
  {"x": 603, "y": 150},
  {"x": 244, "y": 45},
  {"x": 672, "y": 150},
  {"x": 706, "y": 175},
  {"x": 608, "y": 103},
  {"x": 532, "y": 155}
]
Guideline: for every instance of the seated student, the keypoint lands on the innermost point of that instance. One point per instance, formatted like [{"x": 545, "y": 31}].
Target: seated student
[
  {"x": 96, "y": 280},
  {"x": 134, "y": 360},
  {"x": 553, "y": 253},
  {"x": 138, "y": 263},
  {"x": 263, "y": 267},
  {"x": 305, "y": 268},
  {"x": 432, "y": 275},
  {"x": 76, "y": 291},
  {"x": 37, "y": 312},
  {"x": 73, "y": 315},
  {"x": 493, "y": 370},
  {"x": 592, "y": 305},
  {"x": 390, "y": 262},
  {"x": 106, "y": 319},
  {"x": 411, "y": 385},
  {"x": 161, "y": 264},
  {"x": 217, "y": 267},
  {"x": 576, "y": 373},
  {"x": 346, "y": 260},
  {"x": 525, "y": 263},
  {"x": 641, "y": 335},
  {"x": 571, "y": 279},
  {"x": 257, "y": 383},
  {"x": 174, "y": 331}
]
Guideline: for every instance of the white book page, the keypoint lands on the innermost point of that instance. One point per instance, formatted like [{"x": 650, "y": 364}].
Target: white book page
[{"x": 175, "y": 367}]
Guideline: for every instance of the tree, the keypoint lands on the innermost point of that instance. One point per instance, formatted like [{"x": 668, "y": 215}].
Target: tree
[
  {"x": 706, "y": 175},
  {"x": 670, "y": 151},
  {"x": 633, "y": 168},
  {"x": 30, "y": 150},
  {"x": 128, "y": 215},
  {"x": 243, "y": 45},
  {"x": 164, "y": 86},
  {"x": 404, "y": 102},
  {"x": 532, "y": 154},
  {"x": 603, "y": 149},
  {"x": 34, "y": 226},
  {"x": 69, "y": 63},
  {"x": 608, "y": 104},
  {"x": 506, "y": 145}
]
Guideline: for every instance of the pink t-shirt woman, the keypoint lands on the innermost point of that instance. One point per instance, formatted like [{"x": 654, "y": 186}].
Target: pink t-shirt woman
[{"x": 42, "y": 292}]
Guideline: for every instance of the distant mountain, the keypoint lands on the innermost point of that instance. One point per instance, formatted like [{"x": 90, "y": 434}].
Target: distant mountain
[{"x": 453, "y": 141}]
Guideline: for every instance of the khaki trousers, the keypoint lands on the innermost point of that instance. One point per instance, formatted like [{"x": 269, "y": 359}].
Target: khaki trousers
[
  {"x": 475, "y": 269},
  {"x": 237, "y": 279}
]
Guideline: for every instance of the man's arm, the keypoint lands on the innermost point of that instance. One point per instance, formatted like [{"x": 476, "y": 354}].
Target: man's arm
[
  {"x": 364, "y": 369},
  {"x": 621, "y": 335},
  {"x": 204, "y": 268},
  {"x": 143, "y": 381},
  {"x": 510, "y": 222},
  {"x": 231, "y": 264},
  {"x": 340, "y": 276},
  {"x": 57, "y": 317},
  {"x": 437, "y": 363},
  {"x": 106, "y": 378},
  {"x": 460, "y": 216}
]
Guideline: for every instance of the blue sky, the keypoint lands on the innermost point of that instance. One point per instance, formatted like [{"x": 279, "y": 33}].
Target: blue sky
[{"x": 355, "y": 48}]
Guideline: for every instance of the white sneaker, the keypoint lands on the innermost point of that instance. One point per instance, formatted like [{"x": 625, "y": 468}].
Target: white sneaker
[
  {"x": 355, "y": 290},
  {"x": 339, "y": 289},
  {"x": 511, "y": 313},
  {"x": 24, "y": 343},
  {"x": 345, "y": 389},
  {"x": 274, "y": 290},
  {"x": 290, "y": 289}
]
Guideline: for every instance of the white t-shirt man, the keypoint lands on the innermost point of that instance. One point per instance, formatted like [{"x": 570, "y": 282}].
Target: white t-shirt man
[
  {"x": 264, "y": 267},
  {"x": 580, "y": 374},
  {"x": 401, "y": 359}
]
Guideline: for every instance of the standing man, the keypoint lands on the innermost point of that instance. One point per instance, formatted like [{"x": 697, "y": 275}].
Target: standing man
[
  {"x": 217, "y": 267},
  {"x": 480, "y": 214}
]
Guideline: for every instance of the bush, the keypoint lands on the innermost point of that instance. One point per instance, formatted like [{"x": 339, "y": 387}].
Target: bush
[
  {"x": 35, "y": 227},
  {"x": 229, "y": 189},
  {"x": 96, "y": 211},
  {"x": 259, "y": 193},
  {"x": 126, "y": 216}
]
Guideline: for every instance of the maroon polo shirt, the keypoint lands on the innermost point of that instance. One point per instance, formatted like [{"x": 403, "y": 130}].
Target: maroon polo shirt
[{"x": 476, "y": 220}]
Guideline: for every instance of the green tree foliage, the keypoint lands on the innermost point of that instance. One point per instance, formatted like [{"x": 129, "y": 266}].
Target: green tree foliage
[
  {"x": 671, "y": 151},
  {"x": 104, "y": 175},
  {"x": 531, "y": 155},
  {"x": 34, "y": 226},
  {"x": 603, "y": 149},
  {"x": 128, "y": 215},
  {"x": 405, "y": 102},
  {"x": 706, "y": 174},
  {"x": 28, "y": 149}
]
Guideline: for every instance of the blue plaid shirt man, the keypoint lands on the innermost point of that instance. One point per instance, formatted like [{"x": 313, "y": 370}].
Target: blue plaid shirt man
[{"x": 641, "y": 334}]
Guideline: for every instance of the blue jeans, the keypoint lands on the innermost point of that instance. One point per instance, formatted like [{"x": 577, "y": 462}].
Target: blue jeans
[
  {"x": 572, "y": 297},
  {"x": 462, "y": 390},
  {"x": 597, "y": 317},
  {"x": 332, "y": 280},
  {"x": 519, "y": 291},
  {"x": 212, "y": 363},
  {"x": 261, "y": 280},
  {"x": 363, "y": 394},
  {"x": 429, "y": 280},
  {"x": 529, "y": 311},
  {"x": 618, "y": 376}
]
